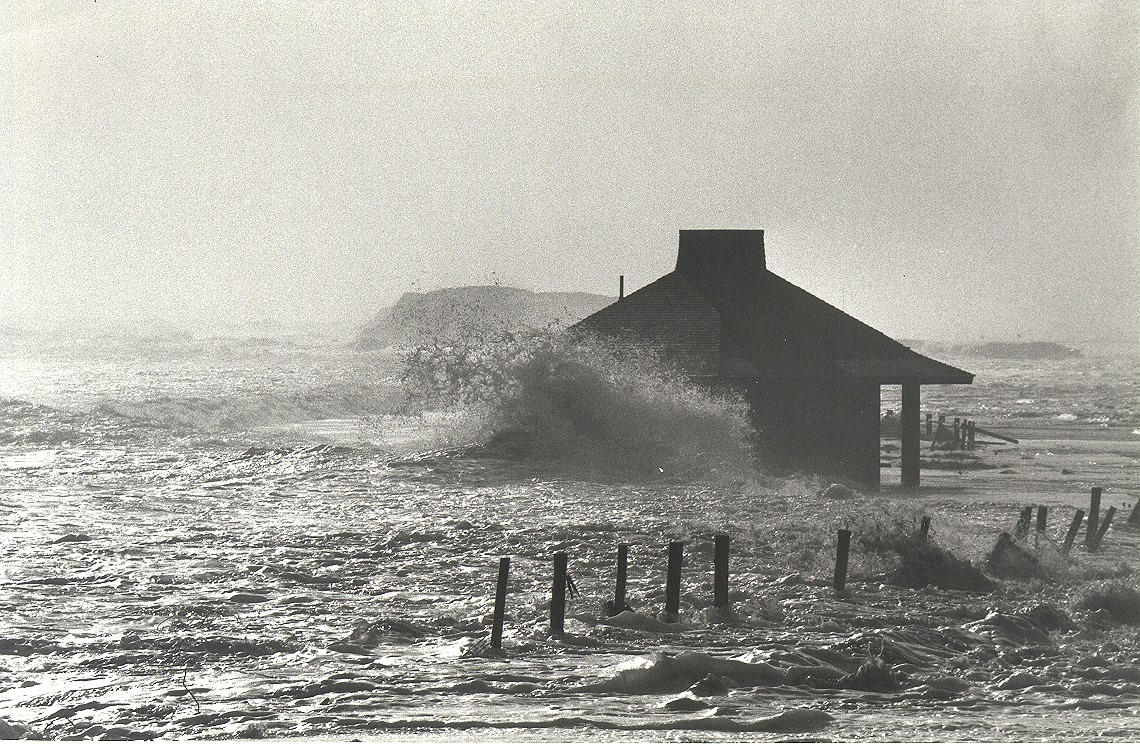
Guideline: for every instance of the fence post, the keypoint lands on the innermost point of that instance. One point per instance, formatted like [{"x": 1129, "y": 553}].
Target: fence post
[
  {"x": 720, "y": 571},
  {"x": 1108, "y": 515},
  {"x": 842, "y": 546},
  {"x": 1094, "y": 516},
  {"x": 673, "y": 579},
  {"x": 930, "y": 424},
  {"x": 1042, "y": 515},
  {"x": 558, "y": 597},
  {"x": 1022, "y": 529},
  {"x": 619, "y": 583},
  {"x": 500, "y": 604},
  {"x": 1074, "y": 528},
  {"x": 924, "y": 528}
]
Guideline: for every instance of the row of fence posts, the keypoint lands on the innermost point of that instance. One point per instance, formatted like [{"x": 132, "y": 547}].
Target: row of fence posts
[
  {"x": 563, "y": 583},
  {"x": 1095, "y": 528},
  {"x": 964, "y": 433}
]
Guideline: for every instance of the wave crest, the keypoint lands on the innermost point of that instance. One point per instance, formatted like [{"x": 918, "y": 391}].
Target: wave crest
[{"x": 568, "y": 398}]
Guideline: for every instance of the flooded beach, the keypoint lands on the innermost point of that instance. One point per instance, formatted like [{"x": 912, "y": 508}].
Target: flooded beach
[
  {"x": 823, "y": 315},
  {"x": 233, "y": 538}
]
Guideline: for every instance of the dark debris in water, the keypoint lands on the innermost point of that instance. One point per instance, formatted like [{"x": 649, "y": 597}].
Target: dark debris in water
[
  {"x": 873, "y": 675},
  {"x": 1120, "y": 601},
  {"x": 1012, "y": 561}
]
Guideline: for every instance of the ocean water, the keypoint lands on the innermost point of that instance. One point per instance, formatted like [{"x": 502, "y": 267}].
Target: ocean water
[{"x": 267, "y": 538}]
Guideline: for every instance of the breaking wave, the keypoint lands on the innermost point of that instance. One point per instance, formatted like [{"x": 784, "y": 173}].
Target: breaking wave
[{"x": 561, "y": 398}]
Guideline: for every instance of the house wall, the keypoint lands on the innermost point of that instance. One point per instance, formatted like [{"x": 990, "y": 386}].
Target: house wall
[{"x": 828, "y": 426}]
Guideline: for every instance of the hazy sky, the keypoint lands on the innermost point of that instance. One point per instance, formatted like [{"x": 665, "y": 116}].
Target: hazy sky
[{"x": 943, "y": 170}]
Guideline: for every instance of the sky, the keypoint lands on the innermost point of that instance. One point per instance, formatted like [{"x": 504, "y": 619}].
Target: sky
[{"x": 949, "y": 171}]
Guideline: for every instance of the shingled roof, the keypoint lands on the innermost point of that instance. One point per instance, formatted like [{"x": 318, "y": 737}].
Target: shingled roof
[{"x": 722, "y": 314}]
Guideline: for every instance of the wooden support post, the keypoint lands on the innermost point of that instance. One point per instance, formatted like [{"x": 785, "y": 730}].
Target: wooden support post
[
  {"x": 973, "y": 434},
  {"x": 1022, "y": 530},
  {"x": 930, "y": 424},
  {"x": 1094, "y": 516},
  {"x": 558, "y": 597},
  {"x": 1042, "y": 515},
  {"x": 720, "y": 571},
  {"x": 619, "y": 583},
  {"x": 1108, "y": 515},
  {"x": 1074, "y": 528},
  {"x": 924, "y": 529},
  {"x": 957, "y": 433},
  {"x": 909, "y": 421},
  {"x": 673, "y": 579},
  {"x": 500, "y": 604},
  {"x": 621, "y": 286},
  {"x": 842, "y": 547},
  {"x": 1134, "y": 517}
]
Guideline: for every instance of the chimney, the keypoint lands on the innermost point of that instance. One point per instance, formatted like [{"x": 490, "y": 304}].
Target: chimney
[{"x": 707, "y": 253}]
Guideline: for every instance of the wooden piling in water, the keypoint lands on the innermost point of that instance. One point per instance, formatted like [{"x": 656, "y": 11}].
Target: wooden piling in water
[
  {"x": 924, "y": 529},
  {"x": 1042, "y": 515},
  {"x": 1094, "y": 516},
  {"x": 619, "y": 582},
  {"x": 1022, "y": 530},
  {"x": 500, "y": 604},
  {"x": 558, "y": 597},
  {"x": 909, "y": 434},
  {"x": 1074, "y": 528},
  {"x": 1108, "y": 515},
  {"x": 720, "y": 571},
  {"x": 673, "y": 579},
  {"x": 842, "y": 547},
  {"x": 957, "y": 433}
]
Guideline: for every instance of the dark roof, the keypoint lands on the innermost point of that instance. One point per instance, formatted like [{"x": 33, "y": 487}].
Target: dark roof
[
  {"x": 722, "y": 314},
  {"x": 668, "y": 316}
]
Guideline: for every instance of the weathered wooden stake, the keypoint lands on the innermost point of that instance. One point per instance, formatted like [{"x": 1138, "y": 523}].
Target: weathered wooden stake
[
  {"x": 558, "y": 597},
  {"x": 720, "y": 571},
  {"x": 957, "y": 433},
  {"x": 973, "y": 433},
  {"x": 1042, "y": 515},
  {"x": 621, "y": 286},
  {"x": 1108, "y": 515},
  {"x": 842, "y": 547},
  {"x": 619, "y": 583},
  {"x": 1094, "y": 516},
  {"x": 1074, "y": 528},
  {"x": 673, "y": 579},
  {"x": 924, "y": 528},
  {"x": 930, "y": 424},
  {"x": 1022, "y": 529},
  {"x": 500, "y": 604}
]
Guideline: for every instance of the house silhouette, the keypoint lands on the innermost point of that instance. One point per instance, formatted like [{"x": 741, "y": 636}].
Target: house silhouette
[{"x": 810, "y": 372}]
